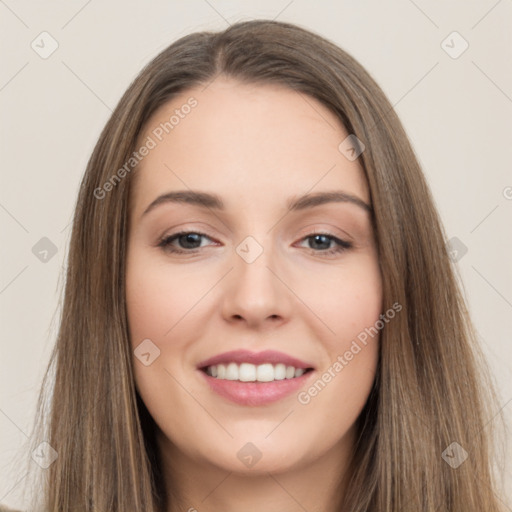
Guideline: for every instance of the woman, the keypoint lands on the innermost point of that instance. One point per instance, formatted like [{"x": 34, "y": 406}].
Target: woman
[{"x": 258, "y": 370}]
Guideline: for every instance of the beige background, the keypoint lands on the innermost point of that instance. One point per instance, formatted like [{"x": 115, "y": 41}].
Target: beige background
[{"x": 457, "y": 112}]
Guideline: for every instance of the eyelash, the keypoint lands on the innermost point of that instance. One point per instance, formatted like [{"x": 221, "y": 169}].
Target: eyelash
[{"x": 165, "y": 243}]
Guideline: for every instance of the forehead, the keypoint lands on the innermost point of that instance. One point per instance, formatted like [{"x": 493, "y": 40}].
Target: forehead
[{"x": 250, "y": 143}]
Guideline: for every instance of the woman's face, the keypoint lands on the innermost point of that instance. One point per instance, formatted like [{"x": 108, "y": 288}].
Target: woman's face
[{"x": 267, "y": 291}]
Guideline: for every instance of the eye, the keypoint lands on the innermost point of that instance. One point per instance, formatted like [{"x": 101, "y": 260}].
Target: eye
[
  {"x": 190, "y": 242},
  {"x": 321, "y": 240}
]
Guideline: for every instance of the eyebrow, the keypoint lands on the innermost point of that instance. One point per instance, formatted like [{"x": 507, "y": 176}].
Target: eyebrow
[{"x": 213, "y": 201}]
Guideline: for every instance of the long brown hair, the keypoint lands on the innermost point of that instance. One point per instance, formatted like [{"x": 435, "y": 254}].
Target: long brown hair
[{"x": 432, "y": 386}]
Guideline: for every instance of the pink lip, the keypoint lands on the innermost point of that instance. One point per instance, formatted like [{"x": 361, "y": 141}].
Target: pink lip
[
  {"x": 256, "y": 393},
  {"x": 246, "y": 356}
]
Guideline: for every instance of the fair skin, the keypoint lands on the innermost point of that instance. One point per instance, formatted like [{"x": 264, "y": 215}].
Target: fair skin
[{"x": 256, "y": 147}]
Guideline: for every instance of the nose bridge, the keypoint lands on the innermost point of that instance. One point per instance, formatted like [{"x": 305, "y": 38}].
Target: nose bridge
[
  {"x": 255, "y": 292},
  {"x": 255, "y": 258}
]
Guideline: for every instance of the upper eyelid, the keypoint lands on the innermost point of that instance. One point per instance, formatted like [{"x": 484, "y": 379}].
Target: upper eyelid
[
  {"x": 186, "y": 232},
  {"x": 308, "y": 227}
]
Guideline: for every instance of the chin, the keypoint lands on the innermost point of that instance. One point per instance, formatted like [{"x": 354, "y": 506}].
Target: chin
[
  {"x": 264, "y": 462},
  {"x": 257, "y": 457}
]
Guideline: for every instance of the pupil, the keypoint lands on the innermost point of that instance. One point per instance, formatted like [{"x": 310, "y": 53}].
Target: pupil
[
  {"x": 189, "y": 238},
  {"x": 326, "y": 242}
]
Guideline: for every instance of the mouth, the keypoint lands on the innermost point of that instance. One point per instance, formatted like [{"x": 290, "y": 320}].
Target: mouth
[{"x": 254, "y": 379}]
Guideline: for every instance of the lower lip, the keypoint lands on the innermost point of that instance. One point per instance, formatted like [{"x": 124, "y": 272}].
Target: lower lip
[{"x": 256, "y": 393}]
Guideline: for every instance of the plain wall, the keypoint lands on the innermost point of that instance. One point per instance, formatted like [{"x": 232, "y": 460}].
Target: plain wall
[{"x": 456, "y": 111}]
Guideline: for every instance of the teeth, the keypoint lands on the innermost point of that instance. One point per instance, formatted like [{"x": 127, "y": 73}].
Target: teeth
[
  {"x": 247, "y": 372},
  {"x": 280, "y": 371},
  {"x": 232, "y": 371}
]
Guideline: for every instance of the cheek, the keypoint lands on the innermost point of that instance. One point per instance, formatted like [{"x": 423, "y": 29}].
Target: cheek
[
  {"x": 157, "y": 302},
  {"x": 350, "y": 304},
  {"x": 349, "y": 300},
  {"x": 158, "y": 298},
  {"x": 162, "y": 306}
]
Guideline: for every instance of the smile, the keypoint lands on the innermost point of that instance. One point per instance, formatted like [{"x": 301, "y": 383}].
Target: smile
[{"x": 255, "y": 379}]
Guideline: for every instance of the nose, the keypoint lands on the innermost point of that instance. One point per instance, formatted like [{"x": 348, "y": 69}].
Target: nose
[{"x": 256, "y": 293}]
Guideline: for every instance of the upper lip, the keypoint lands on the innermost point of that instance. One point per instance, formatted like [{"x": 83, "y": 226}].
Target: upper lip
[{"x": 256, "y": 358}]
